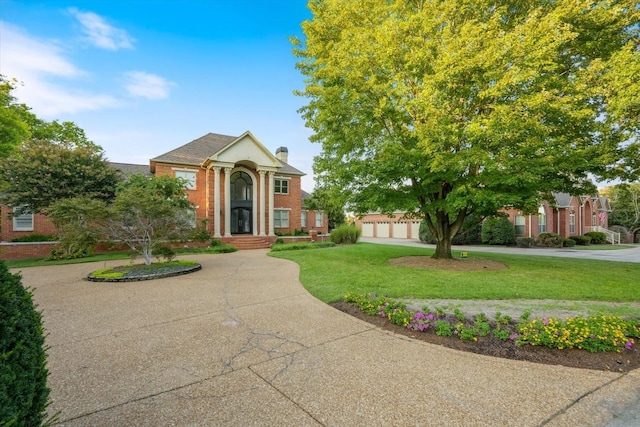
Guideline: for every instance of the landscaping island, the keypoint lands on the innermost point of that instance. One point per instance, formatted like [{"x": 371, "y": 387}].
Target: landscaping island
[{"x": 138, "y": 272}]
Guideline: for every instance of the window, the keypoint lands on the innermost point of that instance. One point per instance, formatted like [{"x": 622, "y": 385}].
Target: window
[
  {"x": 519, "y": 222},
  {"x": 22, "y": 221},
  {"x": 241, "y": 186},
  {"x": 303, "y": 219},
  {"x": 189, "y": 177},
  {"x": 281, "y": 218},
  {"x": 542, "y": 222},
  {"x": 281, "y": 186},
  {"x": 319, "y": 219},
  {"x": 572, "y": 223}
]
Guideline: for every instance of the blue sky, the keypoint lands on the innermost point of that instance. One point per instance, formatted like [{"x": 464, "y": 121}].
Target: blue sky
[{"x": 144, "y": 77}]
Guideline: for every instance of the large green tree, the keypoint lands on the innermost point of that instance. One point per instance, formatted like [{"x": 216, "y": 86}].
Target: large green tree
[
  {"x": 331, "y": 203},
  {"x": 15, "y": 119},
  {"x": 56, "y": 162},
  {"x": 625, "y": 205},
  {"x": 457, "y": 107}
]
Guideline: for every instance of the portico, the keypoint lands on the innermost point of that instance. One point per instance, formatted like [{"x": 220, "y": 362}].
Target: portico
[{"x": 243, "y": 173}]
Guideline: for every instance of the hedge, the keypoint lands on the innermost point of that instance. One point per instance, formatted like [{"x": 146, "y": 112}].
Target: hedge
[{"x": 24, "y": 395}]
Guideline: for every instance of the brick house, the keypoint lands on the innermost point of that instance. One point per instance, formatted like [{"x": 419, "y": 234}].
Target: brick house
[
  {"x": 237, "y": 186},
  {"x": 240, "y": 188},
  {"x": 567, "y": 216}
]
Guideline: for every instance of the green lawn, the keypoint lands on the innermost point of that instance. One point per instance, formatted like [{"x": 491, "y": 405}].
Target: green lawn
[{"x": 364, "y": 268}]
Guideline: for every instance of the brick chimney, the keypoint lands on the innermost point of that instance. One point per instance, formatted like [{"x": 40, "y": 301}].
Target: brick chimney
[{"x": 282, "y": 154}]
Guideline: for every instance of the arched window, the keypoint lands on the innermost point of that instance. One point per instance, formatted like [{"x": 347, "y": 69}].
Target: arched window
[
  {"x": 542, "y": 220},
  {"x": 241, "y": 186},
  {"x": 572, "y": 223}
]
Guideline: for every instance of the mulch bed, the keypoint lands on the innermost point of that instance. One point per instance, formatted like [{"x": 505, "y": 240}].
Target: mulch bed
[{"x": 624, "y": 361}]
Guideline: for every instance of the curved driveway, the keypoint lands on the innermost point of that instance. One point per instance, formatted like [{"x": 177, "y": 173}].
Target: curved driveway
[{"x": 242, "y": 343}]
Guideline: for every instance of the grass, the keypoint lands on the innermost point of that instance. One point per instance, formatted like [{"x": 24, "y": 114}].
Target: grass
[
  {"x": 109, "y": 256},
  {"x": 364, "y": 268}
]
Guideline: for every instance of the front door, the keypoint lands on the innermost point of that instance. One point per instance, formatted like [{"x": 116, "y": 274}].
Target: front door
[{"x": 241, "y": 220}]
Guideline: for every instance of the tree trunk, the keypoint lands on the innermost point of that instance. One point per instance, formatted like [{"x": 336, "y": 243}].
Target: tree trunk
[
  {"x": 146, "y": 254},
  {"x": 443, "y": 248},
  {"x": 443, "y": 231}
]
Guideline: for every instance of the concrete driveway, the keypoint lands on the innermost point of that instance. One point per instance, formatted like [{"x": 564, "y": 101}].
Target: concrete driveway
[{"x": 242, "y": 343}]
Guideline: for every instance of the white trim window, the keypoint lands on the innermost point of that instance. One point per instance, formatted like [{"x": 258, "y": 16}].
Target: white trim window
[
  {"x": 303, "y": 219},
  {"x": 519, "y": 224},
  {"x": 319, "y": 219},
  {"x": 189, "y": 176},
  {"x": 542, "y": 222},
  {"x": 281, "y": 186},
  {"x": 572, "y": 223},
  {"x": 281, "y": 218},
  {"x": 22, "y": 221}
]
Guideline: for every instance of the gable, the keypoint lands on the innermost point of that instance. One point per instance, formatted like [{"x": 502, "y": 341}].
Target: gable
[{"x": 245, "y": 149}]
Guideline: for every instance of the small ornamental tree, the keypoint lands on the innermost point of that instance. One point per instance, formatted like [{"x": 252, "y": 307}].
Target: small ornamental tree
[
  {"x": 148, "y": 210},
  {"x": 76, "y": 222},
  {"x": 24, "y": 395}
]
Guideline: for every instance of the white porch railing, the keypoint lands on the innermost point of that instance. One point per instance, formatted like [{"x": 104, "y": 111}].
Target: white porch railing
[{"x": 612, "y": 236}]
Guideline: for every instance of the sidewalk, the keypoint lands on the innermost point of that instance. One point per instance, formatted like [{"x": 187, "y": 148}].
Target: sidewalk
[{"x": 242, "y": 343}]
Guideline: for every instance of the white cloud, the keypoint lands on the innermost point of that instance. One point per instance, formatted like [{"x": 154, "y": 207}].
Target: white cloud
[
  {"x": 23, "y": 54},
  {"x": 35, "y": 63},
  {"x": 101, "y": 34},
  {"x": 145, "y": 85}
]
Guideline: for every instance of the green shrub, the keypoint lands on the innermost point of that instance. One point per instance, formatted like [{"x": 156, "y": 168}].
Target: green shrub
[
  {"x": 59, "y": 254},
  {"x": 36, "y": 238},
  {"x": 301, "y": 245},
  {"x": 525, "y": 242},
  {"x": 345, "y": 234},
  {"x": 597, "y": 237},
  {"x": 498, "y": 231},
  {"x": 24, "y": 395},
  {"x": 582, "y": 240},
  {"x": 199, "y": 234},
  {"x": 550, "y": 240},
  {"x": 161, "y": 251},
  {"x": 568, "y": 243}
]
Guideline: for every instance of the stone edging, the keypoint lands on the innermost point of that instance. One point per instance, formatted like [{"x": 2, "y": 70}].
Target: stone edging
[{"x": 187, "y": 269}]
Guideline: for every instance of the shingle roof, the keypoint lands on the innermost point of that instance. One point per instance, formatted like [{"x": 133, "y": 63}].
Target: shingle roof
[
  {"x": 131, "y": 169},
  {"x": 198, "y": 150},
  {"x": 563, "y": 200}
]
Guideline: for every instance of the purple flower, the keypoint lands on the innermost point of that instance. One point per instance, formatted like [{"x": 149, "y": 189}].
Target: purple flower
[
  {"x": 628, "y": 345},
  {"x": 513, "y": 336}
]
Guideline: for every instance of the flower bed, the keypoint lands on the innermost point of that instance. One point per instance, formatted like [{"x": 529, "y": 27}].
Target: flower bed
[{"x": 594, "y": 334}]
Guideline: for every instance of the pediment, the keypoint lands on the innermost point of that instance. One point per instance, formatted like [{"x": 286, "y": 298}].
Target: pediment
[{"x": 245, "y": 149}]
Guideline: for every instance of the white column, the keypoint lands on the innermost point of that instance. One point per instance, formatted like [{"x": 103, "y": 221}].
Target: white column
[
  {"x": 271, "y": 231},
  {"x": 254, "y": 207},
  {"x": 216, "y": 201},
  {"x": 263, "y": 214},
  {"x": 227, "y": 202}
]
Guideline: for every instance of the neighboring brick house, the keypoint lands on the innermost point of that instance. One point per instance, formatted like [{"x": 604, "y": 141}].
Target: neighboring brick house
[
  {"x": 237, "y": 186},
  {"x": 16, "y": 226},
  {"x": 567, "y": 216}
]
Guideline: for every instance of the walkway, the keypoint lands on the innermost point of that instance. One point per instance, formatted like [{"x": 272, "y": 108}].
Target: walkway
[{"x": 242, "y": 343}]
